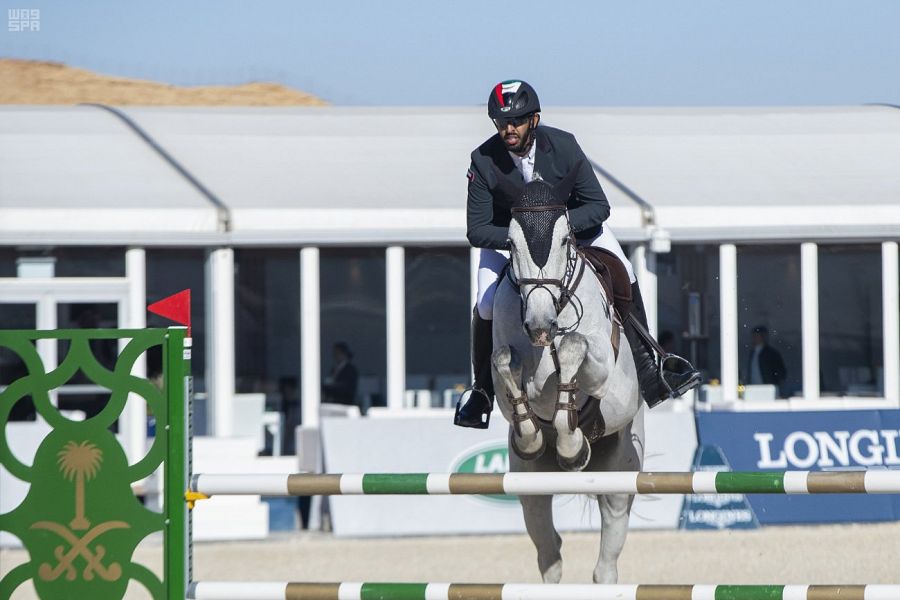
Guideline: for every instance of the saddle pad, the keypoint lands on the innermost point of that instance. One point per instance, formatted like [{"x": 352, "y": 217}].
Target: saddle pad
[{"x": 612, "y": 275}]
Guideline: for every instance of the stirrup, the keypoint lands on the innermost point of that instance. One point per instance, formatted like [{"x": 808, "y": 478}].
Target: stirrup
[
  {"x": 463, "y": 403},
  {"x": 686, "y": 368}
]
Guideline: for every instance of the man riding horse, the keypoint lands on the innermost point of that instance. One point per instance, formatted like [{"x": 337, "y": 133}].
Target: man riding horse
[{"x": 520, "y": 152}]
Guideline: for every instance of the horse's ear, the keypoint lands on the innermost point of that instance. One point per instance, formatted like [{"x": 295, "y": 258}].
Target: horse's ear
[{"x": 563, "y": 188}]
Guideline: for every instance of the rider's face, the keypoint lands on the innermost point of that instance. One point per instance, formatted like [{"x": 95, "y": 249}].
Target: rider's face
[{"x": 514, "y": 132}]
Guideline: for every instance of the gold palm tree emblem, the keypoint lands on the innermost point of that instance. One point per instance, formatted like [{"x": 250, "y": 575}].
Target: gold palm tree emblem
[{"x": 81, "y": 463}]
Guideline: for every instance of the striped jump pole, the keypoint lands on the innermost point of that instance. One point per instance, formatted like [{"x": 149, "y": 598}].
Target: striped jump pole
[
  {"x": 213, "y": 590},
  {"x": 520, "y": 484}
]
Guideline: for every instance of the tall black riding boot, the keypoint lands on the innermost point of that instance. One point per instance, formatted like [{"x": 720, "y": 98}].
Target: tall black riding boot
[
  {"x": 475, "y": 405},
  {"x": 650, "y": 379}
]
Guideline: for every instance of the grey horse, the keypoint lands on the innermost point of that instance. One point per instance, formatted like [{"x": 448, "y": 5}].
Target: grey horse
[{"x": 554, "y": 355}]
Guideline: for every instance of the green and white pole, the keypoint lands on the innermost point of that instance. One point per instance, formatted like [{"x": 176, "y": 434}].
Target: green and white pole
[
  {"x": 511, "y": 591},
  {"x": 519, "y": 484}
]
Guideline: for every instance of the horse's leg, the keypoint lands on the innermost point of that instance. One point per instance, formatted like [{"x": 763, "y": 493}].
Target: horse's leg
[
  {"x": 572, "y": 448},
  {"x": 623, "y": 451},
  {"x": 614, "y": 510},
  {"x": 538, "y": 513},
  {"x": 612, "y": 381},
  {"x": 526, "y": 438}
]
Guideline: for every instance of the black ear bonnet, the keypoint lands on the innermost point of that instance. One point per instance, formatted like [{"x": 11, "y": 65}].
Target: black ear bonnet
[{"x": 537, "y": 225}]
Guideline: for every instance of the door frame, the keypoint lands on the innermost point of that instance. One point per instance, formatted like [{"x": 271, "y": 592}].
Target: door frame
[{"x": 45, "y": 293}]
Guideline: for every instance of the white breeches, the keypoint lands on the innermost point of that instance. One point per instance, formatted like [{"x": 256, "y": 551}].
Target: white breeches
[{"x": 491, "y": 262}]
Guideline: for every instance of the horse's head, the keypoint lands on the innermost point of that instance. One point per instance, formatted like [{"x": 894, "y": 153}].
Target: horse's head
[{"x": 542, "y": 254}]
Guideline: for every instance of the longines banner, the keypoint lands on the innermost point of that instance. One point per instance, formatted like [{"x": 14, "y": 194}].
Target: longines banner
[
  {"x": 427, "y": 444},
  {"x": 809, "y": 441}
]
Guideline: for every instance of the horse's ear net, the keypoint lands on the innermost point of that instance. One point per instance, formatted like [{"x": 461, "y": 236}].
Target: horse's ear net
[{"x": 537, "y": 226}]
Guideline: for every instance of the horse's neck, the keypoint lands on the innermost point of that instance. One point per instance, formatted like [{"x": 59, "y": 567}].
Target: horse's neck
[{"x": 589, "y": 293}]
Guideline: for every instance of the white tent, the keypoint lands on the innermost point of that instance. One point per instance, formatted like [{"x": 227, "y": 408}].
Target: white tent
[{"x": 397, "y": 175}]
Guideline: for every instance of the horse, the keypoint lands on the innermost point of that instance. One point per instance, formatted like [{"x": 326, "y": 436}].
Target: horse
[{"x": 556, "y": 334}]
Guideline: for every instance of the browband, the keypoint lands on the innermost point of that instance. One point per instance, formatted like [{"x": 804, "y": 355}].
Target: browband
[{"x": 546, "y": 207}]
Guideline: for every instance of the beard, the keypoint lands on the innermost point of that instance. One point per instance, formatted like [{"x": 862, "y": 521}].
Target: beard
[{"x": 524, "y": 143}]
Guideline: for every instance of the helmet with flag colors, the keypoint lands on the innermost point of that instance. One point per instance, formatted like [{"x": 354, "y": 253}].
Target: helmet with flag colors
[{"x": 512, "y": 98}]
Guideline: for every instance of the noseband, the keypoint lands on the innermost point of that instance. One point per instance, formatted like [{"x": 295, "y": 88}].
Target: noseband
[{"x": 566, "y": 286}]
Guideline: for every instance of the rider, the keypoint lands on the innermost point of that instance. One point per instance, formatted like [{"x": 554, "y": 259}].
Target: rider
[{"x": 521, "y": 151}]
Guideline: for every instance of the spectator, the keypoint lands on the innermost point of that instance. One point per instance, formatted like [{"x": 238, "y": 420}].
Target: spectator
[
  {"x": 765, "y": 365},
  {"x": 340, "y": 385}
]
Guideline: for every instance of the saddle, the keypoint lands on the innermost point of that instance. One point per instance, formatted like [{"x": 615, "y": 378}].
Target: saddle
[{"x": 612, "y": 276}]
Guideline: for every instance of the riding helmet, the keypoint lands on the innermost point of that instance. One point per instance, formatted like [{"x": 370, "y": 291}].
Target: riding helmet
[{"x": 512, "y": 98}]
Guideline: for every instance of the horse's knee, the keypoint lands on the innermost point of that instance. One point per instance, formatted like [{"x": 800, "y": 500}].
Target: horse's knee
[
  {"x": 505, "y": 358},
  {"x": 502, "y": 357},
  {"x": 572, "y": 347},
  {"x": 615, "y": 505}
]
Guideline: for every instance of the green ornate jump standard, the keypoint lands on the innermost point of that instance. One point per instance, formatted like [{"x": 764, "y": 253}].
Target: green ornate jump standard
[{"x": 80, "y": 520}]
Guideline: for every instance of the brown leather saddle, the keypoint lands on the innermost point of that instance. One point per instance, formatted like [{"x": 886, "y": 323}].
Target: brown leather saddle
[{"x": 612, "y": 276}]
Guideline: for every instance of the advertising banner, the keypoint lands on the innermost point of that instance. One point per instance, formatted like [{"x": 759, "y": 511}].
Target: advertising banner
[
  {"x": 434, "y": 445},
  {"x": 809, "y": 441},
  {"x": 716, "y": 511}
]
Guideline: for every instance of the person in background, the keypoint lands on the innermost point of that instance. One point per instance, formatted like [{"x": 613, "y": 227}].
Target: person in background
[
  {"x": 340, "y": 385},
  {"x": 765, "y": 365}
]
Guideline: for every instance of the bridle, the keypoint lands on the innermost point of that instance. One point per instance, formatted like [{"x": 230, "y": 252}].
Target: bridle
[
  {"x": 567, "y": 286},
  {"x": 575, "y": 266}
]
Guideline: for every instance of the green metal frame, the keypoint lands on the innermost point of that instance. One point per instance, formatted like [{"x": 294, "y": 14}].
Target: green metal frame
[{"x": 80, "y": 520}]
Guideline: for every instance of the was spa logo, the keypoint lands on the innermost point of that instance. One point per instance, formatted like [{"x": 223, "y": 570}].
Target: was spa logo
[{"x": 487, "y": 457}]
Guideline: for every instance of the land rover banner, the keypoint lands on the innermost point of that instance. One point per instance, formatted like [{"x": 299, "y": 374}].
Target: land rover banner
[
  {"x": 809, "y": 441},
  {"x": 429, "y": 444}
]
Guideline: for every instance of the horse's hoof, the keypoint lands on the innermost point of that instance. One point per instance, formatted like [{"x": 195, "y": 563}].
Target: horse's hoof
[
  {"x": 553, "y": 574},
  {"x": 526, "y": 455},
  {"x": 577, "y": 462}
]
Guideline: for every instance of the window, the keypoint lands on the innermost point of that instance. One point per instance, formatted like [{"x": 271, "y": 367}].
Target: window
[
  {"x": 352, "y": 283},
  {"x": 438, "y": 316},
  {"x": 12, "y": 367},
  {"x": 769, "y": 319},
  {"x": 68, "y": 261},
  {"x": 688, "y": 305},
  {"x": 170, "y": 271},
  {"x": 267, "y": 327},
  {"x": 850, "y": 320}
]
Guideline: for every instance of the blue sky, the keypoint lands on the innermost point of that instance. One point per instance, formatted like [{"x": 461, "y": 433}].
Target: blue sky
[{"x": 628, "y": 53}]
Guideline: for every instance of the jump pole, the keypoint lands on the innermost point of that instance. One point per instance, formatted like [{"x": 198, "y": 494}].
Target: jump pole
[
  {"x": 211, "y": 590},
  {"x": 520, "y": 484}
]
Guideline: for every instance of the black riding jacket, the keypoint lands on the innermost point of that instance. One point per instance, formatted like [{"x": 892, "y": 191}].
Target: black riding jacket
[{"x": 494, "y": 180}]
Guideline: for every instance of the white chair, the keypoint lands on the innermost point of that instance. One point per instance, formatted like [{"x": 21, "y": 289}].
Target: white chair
[
  {"x": 760, "y": 393},
  {"x": 248, "y": 418}
]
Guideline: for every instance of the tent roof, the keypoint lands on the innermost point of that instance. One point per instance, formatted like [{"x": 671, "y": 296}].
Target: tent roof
[{"x": 397, "y": 175}]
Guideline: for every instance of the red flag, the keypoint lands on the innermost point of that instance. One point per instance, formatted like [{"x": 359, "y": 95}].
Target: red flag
[{"x": 176, "y": 307}]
